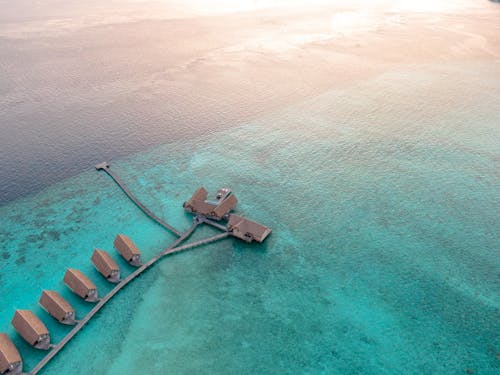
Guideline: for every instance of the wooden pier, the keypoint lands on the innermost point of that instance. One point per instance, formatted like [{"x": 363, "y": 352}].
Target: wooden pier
[
  {"x": 204, "y": 241},
  {"x": 105, "y": 167},
  {"x": 172, "y": 249},
  {"x": 59, "y": 346},
  {"x": 213, "y": 223}
]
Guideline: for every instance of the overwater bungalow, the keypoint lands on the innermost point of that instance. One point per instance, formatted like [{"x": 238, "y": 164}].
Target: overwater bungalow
[
  {"x": 217, "y": 208},
  {"x": 57, "y": 307},
  {"x": 106, "y": 265},
  {"x": 128, "y": 250},
  {"x": 10, "y": 359},
  {"x": 31, "y": 329},
  {"x": 81, "y": 285},
  {"x": 246, "y": 229}
]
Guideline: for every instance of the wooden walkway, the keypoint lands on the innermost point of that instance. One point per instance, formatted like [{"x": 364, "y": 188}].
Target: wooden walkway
[
  {"x": 105, "y": 167},
  {"x": 197, "y": 243},
  {"x": 172, "y": 249},
  {"x": 214, "y": 224}
]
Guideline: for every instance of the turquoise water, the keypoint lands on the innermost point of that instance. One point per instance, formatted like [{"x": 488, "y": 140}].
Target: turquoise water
[{"x": 383, "y": 197}]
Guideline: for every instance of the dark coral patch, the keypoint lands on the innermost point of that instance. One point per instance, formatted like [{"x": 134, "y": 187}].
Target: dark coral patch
[
  {"x": 32, "y": 238},
  {"x": 18, "y": 218},
  {"x": 77, "y": 214},
  {"x": 21, "y": 260},
  {"x": 52, "y": 234},
  {"x": 5, "y": 255},
  {"x": 6, "y": 236},
  {"x": 47, "y": 212},
  {"x": 40, "y": 223}
]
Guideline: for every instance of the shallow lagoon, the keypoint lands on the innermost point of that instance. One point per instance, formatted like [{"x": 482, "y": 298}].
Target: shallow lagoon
[{"x": 384, "y": 253}]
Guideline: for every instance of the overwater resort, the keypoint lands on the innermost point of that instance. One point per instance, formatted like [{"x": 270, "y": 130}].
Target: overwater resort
[
  {"x": 216, "y": 212},
  {"x": 295, "y": 187}
]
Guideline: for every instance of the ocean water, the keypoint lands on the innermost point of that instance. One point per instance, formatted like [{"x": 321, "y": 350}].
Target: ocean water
[
  {"x": 85, "y": 81},
  {"x": 384, "y": 200}
]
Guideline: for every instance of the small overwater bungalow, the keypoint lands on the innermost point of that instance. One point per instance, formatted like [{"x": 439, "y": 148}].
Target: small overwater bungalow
[
  {"x": 81, "y": 285},
  {"x": 106, "y": 265},
  {"x": 32, "y": 329},
  {"x": 10, "y": 359},
  {"x": 217, "y": 208},
  {"x": 128, "y": 250},
  {"x": 246, "y": 229},
  {"x": 57, "y": 307}
]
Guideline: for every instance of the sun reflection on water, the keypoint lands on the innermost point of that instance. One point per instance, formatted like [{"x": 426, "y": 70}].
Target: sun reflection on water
[{"x": 231, "y": 6}]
